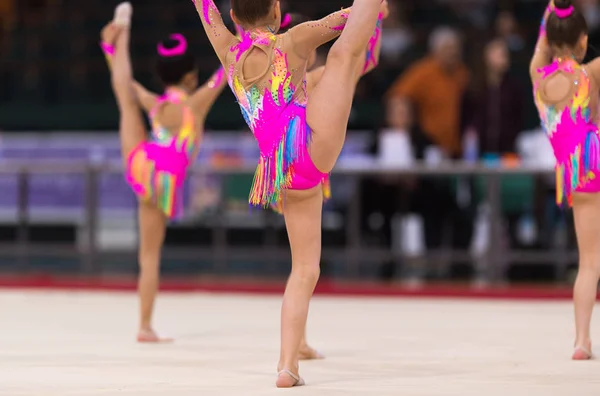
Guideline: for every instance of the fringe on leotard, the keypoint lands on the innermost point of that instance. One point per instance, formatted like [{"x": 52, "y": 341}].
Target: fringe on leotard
[
  {"x": 276, "y": 172},
  {"x": 579, "y": 169}
]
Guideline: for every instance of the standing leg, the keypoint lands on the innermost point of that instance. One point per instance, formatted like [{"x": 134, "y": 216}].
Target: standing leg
[
  {"x": 330, "y": 101},
  {"x": 132, "y": 133},
  {"x": 586, "y": 207},
  {"x": 302, "y": 212},
  {"x": 152, "y": 226}
]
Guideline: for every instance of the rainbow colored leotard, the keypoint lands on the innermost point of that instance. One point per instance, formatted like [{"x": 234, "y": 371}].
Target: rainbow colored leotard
[
  {"x": 572, "y": 133},
  {"x": 157, "y": 168},
  {"x": 274, "y": 104},
  {"x": 278, "y": 121}
]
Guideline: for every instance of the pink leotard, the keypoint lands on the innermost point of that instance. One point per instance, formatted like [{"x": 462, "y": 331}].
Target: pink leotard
[
  {"x": 156, "y": 169},
  {"x": 572, "y": 131},
  {"x": 274, "y": 104},
  {"x": 278, "y": 121}
]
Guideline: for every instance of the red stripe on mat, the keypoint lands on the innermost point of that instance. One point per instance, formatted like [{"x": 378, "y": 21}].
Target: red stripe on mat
[{"x": 325, "y": 287}]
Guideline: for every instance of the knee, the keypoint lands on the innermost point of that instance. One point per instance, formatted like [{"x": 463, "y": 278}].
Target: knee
[
  {"x": 590, "y": 266},
  {"x": 149, "y": 262},
  {"x": 308, "y": 274}
]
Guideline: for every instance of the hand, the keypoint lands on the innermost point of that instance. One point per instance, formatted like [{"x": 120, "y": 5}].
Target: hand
[
  {"x": 384, "y": 9},
  {"x": 109, "y": 33}
]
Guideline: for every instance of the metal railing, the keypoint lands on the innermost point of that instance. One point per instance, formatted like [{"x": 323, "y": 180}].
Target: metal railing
[{"x": 489, "y": 267}]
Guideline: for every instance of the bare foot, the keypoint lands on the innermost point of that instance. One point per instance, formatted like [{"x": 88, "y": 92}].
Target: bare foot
[
  {"x": 582, "y": 352},
  {"x": 308, "y": 353},
  {"x": 150, "y": 336},
  {"x": 287, "y": 379}
]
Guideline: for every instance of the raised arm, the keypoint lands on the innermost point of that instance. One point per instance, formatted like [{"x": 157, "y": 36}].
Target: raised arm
[
  {"x": 310, "y": 35},
  {"x": 371, "y": 55},
  {"x": 374, "y": 48},
  {"x": 203, "y": 99},
  {"x": 220, "y": 37},
  {"x": 542, "y": 54}
]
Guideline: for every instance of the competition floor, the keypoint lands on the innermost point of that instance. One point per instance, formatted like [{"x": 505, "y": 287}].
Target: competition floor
[{"x": 81, "y": 343}]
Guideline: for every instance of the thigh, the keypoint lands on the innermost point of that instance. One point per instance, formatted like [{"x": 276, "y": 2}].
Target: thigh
[
  {"x": 132, "y": 131},
  {"x": 330, "y": 101},
  {"x": 302, "y": 211},
  {"x": 586, "y": 210},
  {"x": 328, "y": 110}
]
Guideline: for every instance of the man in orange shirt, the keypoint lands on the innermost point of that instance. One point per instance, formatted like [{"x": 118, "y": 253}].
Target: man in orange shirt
[{"x": 435, "y": 86}]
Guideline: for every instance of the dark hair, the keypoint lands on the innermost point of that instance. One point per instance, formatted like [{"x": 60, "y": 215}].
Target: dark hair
[
  {"x": 251, "y": 11},
  {"x": 293, "y": 21},
  {"x": 565, "y": 32},
  {"x": 479, "y": 79},
  {"x": 172, "y": 69}
]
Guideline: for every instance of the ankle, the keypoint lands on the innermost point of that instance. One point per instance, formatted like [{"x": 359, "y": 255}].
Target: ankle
[
  {"x": 293, "y": 367},
  {"x": 585, "y": 342}
]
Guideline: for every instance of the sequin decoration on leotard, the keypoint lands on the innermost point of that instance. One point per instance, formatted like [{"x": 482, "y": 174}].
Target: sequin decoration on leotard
[
  {"x": 272, "y": 110},
  {"x": 572, "y": 133},
  {"x": 277, "y": 121},
  {"x": 157, "y": 168}
]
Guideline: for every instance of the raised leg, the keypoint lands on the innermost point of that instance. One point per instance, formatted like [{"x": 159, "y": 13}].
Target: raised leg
[
  {"x": 302, "y": 212},
  {"x": 330, "y": 101},
  {"x": 131, "y": 126},
  {"x": 586, "y": 209}
]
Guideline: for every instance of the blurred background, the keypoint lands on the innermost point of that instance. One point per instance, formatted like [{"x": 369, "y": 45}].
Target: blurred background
[{"x": 445, "y": 177}]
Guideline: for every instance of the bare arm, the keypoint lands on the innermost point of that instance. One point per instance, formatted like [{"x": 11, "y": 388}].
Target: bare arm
[
  {"x": 203, "y": 99},
  {"x": 374, "y": 48},
  {"x": 145, "y": 98},
  {"x": 219, "y": 36},
  {"x": 371, "y": 55},
  {"x": 542, "y": 54},
  {"x": 310, "y": 35}
]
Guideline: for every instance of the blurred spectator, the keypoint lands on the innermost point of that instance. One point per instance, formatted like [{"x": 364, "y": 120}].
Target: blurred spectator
[
  {"x": 384, "y": 197},
  {"x": 436, "y": 85},
  {"x": 493, "y": 107},
  {"x": 507, "y": 28},
  {"x": 475, "y": 12}
]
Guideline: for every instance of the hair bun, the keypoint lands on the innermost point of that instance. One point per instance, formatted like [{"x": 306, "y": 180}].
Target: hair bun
[{"x": 563, "y": 4}]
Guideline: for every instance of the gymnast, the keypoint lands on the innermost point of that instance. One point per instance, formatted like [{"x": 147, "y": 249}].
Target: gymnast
[
  {"x": 566, "y": 96},
  {"x": 300, "y": 139},
  {"x": 156, "y": 166}
]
